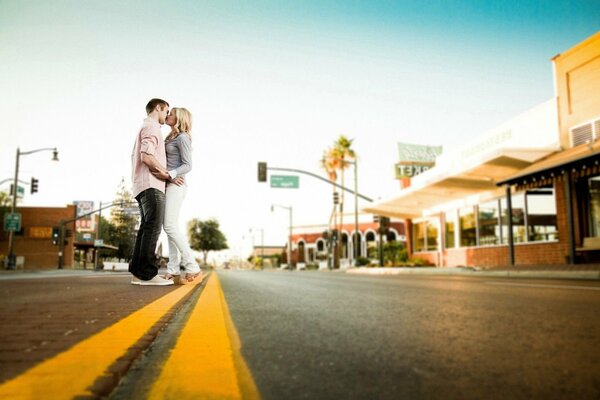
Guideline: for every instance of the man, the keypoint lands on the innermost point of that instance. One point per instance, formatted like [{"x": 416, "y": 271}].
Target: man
[{"x": 149, "y": 175}]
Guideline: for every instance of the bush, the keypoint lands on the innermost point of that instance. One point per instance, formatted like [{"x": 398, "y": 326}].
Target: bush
[
  {"x": 362, "y": 261},
  {"x": 394, "y": 253},
  {"x": 419, "y": 262},
  {"x": 312, "y": 266}
]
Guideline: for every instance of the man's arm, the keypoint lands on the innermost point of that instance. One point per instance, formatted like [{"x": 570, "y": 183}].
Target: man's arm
[{"x": 155, "y": 168}]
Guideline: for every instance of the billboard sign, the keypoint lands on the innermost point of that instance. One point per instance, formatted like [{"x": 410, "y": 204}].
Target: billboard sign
[{"x": 415, "y": 159}]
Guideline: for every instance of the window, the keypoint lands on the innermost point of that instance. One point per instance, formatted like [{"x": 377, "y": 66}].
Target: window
[
  {"x": 541, "y": 215},
  {"x": 518, "y": 218},
  {"x": 533, "y": 216},
  {"x": 419, "y": 237},
  {"x": 450, "y": 223},
  {"x": 425, "y": 236},
  {"x": 468, "y": 227},
  {"x": 431, "y": 243},
  {"x": 594, "y": 206},
  {"x": 489, "y": 224}
]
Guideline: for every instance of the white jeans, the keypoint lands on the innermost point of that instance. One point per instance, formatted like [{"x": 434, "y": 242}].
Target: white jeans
[{"x": 177, "y": 240}]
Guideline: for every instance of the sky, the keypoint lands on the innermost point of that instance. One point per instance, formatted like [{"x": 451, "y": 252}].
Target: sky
[{"x": 272, "y": 81}]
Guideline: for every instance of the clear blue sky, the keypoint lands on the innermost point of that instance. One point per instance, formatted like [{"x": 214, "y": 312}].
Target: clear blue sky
[{"x": 275, "y": 81}]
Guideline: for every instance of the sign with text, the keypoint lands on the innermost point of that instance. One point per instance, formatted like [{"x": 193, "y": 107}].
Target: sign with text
[
  {"x": 40, "y": 232},
  {"x": 415, "y": 159},
  {"x": 411, "y": 169},
  {"x": 84, "y": 224},
  {"x": 12, "y": 222},
  {"x": 418, "y": 153},
  {"x": 285, "y": 181}
]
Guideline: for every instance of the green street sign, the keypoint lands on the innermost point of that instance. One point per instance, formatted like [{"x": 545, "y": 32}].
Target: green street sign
[
  {"x": 285, "y": 181},
  {"x": 12, "y": 222}
]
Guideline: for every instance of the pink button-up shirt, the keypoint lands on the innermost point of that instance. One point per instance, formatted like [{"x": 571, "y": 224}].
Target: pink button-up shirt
[{"x": 149, "y": 141}]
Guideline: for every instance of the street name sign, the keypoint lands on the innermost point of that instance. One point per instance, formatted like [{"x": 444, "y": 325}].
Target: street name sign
[
  {"x": 285, "y": 181},
  {"x": 12, "y": 222}
]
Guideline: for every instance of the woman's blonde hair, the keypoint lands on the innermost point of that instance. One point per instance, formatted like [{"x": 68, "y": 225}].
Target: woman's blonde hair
[{"x": 183, "y": 122}]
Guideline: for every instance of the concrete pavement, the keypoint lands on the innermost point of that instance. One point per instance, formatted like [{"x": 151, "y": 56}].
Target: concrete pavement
[{"x": 559, "y": 272}]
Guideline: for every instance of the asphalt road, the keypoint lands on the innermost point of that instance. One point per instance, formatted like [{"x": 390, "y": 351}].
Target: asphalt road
[{"x": 329, "y": 335}]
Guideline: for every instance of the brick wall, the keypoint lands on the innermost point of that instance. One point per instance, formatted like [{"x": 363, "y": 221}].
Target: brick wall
[
  {"x": 39, "y": 252},
  {"x": 539, "y": 253}
]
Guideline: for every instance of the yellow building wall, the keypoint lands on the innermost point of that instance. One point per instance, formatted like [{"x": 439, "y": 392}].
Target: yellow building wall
[{"x": 577, "y": 76}]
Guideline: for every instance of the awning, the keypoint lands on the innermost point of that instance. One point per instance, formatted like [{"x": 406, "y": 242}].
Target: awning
[
  {"x": 581, "y": 160},
  {"x": 454, "y": 181}
]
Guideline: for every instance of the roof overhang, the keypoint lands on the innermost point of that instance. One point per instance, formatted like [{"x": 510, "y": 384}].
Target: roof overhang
[
  {"x": 580, "y": 157},
  {"x": 452, "y": 181}
]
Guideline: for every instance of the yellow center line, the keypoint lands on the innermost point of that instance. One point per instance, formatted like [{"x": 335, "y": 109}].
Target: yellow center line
[
  {"x": 206, "y": 362},
  {"x": 73, "y": 372}
]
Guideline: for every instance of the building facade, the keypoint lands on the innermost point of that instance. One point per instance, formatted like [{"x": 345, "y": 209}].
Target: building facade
[
  {"x": 33, "y": 244},
  {"x": 526, "y": 193},
  {"x": 312, "y": 244}
]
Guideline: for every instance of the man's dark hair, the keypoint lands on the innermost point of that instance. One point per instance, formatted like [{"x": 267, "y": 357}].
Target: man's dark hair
[{"x": 155, "y": 102}]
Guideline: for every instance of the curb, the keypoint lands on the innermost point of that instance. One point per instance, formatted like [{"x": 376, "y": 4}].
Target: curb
[{"x": 586, "y": 275}]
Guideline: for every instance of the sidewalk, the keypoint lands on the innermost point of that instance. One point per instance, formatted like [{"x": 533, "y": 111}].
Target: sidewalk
[{"x": 586, "y": 272}]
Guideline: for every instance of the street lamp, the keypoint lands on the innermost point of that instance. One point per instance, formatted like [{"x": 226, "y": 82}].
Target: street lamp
[
  {"x": 11, "y": 254},
  {"x": 357, "y": 241},
  {"x": 290, "y": 236}
]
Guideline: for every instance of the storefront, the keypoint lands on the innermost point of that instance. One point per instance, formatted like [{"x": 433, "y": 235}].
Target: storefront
[{"x": 525, "y": 193}]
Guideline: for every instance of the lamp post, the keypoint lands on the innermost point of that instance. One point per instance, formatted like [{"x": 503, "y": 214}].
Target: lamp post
[
  {"x": 290, "y": 234},
  {"x": 11, "y": 235}
]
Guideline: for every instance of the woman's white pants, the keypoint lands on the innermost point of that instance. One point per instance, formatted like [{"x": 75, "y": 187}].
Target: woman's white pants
[{"x": 178, "y": 244}]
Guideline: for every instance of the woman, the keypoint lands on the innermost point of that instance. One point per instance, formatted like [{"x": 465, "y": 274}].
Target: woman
[{"x": 178, "y": 146}]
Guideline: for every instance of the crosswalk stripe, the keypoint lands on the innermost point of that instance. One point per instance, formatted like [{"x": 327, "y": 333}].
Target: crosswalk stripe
[
  {"x": 206, "y": 362},
  {"x": 73, "y": 372}
]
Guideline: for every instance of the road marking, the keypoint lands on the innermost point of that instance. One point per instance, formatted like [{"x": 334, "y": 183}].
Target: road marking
[
  {"x": 71, "y": 373},
  {"x": 206, "y": 361},
  {"x": 536, "y": 285}
]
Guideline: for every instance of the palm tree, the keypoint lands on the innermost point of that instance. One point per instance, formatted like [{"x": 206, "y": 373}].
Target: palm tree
[
  {"x": 344, "y": 149},
  {"x": 335, "y": 159}
]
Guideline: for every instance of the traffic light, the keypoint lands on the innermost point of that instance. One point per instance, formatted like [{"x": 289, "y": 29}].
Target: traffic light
[
  {"x": 384, "y": 225},
  {"x": 55, "y": 235},
  {"x": 262, "y": 171},
  {"x": 34, "y": 185},
  {"x": 336, "y": 198}
]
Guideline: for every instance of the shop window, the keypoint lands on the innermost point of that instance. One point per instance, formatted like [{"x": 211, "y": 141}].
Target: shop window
[
  {"x": 489, "y": 223},
  {"x": 541, "y": 215},
  {"x": 425, "y": 236},
  {"x": 518, "y": 218},
  {"x": 468, "y": 227},
  {"x": 594, "y": 205},
  {"x": 419, "y": 237},
  {"x": 450, "y": 227},
  {"x": 431, "y": 242}
]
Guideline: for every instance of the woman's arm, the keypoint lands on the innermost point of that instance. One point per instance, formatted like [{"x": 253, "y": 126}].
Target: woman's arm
[{"x": 184, "y": 143}]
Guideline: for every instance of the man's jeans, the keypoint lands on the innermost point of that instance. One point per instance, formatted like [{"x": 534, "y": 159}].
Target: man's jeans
[{"x": 152, "y": 210}]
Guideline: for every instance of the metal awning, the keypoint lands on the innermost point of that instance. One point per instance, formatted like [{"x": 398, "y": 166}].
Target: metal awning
[
  {"x": 575, "y": 159},
  {"x": 457, "y": 180}
]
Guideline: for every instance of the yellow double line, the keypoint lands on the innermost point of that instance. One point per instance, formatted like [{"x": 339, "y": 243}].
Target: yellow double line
[{"x": 205, "y": 362}]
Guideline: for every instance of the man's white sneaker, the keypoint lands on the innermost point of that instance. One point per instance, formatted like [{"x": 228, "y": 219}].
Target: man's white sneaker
[{"x": 156, "y": 281}]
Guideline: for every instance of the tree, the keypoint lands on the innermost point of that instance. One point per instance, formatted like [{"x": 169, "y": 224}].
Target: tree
[
  {"x": 206, "y": 236},
  {"x": 122, "y": 229},
  {"x": 336, "y": 159},
  {"x": 5, "y": 204}
]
